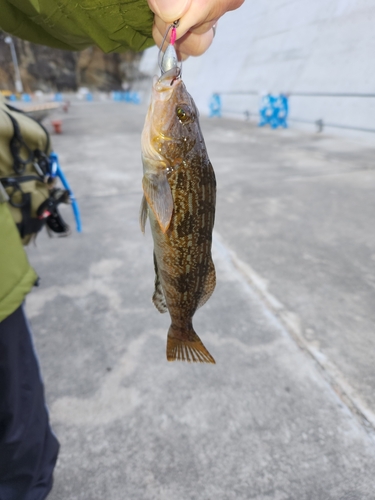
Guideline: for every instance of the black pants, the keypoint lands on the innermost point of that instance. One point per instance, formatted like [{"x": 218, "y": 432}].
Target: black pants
[{"x": 28, "y": 448}]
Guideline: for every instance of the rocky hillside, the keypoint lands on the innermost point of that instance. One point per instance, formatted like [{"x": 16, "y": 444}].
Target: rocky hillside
[{"x": 47, "y": 69}]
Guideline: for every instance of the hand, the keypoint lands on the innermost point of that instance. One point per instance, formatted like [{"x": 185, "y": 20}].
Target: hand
[{"x": 197, "y": 17}]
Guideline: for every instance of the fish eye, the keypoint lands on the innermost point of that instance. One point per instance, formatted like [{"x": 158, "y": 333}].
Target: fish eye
[{"x": 182, "y": 114}]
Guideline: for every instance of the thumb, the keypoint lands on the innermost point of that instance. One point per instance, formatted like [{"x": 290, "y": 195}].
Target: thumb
[{"x": 168, "y": 10}]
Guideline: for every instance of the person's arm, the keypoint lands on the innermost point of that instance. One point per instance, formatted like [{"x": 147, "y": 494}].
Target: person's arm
[{"x": 112, "y": 26}]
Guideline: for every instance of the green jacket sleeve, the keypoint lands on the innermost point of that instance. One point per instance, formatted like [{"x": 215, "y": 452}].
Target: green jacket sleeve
[
  {"x": 17, "y": 277},
  {"x": 112, "y": 25}
]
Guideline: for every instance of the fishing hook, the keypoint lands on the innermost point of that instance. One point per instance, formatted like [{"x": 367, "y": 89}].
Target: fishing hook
[{"x": 164, "y": 64}]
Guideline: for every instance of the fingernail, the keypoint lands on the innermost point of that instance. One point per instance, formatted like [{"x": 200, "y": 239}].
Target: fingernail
[{"x": 171, "y": 11}]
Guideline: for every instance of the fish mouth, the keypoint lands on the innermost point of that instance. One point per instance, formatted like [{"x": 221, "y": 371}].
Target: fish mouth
[
  {"x": 169, "y": 78},
  {"x": 165, "y": 85}
]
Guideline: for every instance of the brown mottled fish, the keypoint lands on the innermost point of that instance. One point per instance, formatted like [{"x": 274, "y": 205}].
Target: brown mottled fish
[{"x": 179, "y": 198}]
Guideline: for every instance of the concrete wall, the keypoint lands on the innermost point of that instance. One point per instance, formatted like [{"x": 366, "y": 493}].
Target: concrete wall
[{"x": 293, "y": 46}]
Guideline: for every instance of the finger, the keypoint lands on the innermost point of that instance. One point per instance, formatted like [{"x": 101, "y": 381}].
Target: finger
[
  {"x": 202, "y": 13},
  {"x": 168, "y": 10},
  {"x": 198, "y": 29},
  {"x": 158, "y": 35},
  {"x": 194, "y": 45},
  {"x": 181, "y": 56},
  {"x": 191, "y": 44}
]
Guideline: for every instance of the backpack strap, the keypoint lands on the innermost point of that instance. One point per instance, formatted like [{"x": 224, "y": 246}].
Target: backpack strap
[
  {"x": 28, "y": 224},
  {"x": 15, "y": 145},
  {"x": 14, "y": 183}
]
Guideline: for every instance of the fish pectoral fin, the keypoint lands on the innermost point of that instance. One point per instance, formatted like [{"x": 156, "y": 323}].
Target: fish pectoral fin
[
  {"x": 209, "y": 285},
  {"x": 159, "y": 198},
  {"x": 159, "y": 298},
  {"x": 186, "y": 346},
  {"x": 143, "y": 213}
]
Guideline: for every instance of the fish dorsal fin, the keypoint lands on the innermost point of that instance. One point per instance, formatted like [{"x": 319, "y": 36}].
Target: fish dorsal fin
[
  {"x": 159, "y": 197},
  {"x": 209, "y": 285},
  {"x": 159, "y": 298},
  {"x": 143, "y": 213}
]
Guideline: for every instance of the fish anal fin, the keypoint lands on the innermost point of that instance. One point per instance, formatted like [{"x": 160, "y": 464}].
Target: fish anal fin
[
  {"x": 159, "y": 198},
  {"x": 191, "y": 349},
  {"x": 159, "y": 298},
  {"x": 143, "y": 212},
  {"x": 209, "y": 285}
]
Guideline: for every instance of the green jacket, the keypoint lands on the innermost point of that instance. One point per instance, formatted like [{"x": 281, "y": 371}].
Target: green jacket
[
  {"x": 16, "y": 275},
  {"x": 114, "y": 26}
]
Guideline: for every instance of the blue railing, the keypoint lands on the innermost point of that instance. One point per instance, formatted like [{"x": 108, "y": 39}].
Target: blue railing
[{"x": 274, "y": 109}]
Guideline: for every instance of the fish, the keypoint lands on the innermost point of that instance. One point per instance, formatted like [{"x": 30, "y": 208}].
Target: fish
[{"x": 179, "y": 199}]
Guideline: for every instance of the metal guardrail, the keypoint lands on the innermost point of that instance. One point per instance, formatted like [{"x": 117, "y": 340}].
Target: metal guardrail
[
  {"x": 320, "y": 123},
  {"x": 330, "y": 94},
  {"x": 307, "y": 94}
]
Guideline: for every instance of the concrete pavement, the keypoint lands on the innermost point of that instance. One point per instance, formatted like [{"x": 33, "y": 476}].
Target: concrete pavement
[{"x": 287, "y": 412}]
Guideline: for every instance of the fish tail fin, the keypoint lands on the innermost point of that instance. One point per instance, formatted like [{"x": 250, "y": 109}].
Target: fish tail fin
[{"x": 186, "y": 346}]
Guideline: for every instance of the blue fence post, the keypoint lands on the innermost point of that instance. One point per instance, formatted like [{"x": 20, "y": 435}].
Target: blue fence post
[
  {"x": 284, "y": 111},
  {"x": 273, "y": 111},
  {"x": 56, "y": 171},
  {"x": 265, "y": 110},
  {"x": 215, "y": 105}
]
